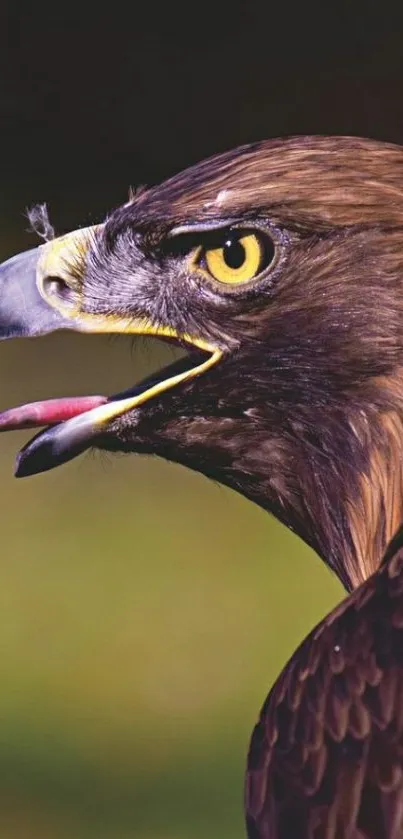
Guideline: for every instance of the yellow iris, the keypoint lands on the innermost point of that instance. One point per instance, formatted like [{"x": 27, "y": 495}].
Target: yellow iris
[{"x": 238, "y": 261}]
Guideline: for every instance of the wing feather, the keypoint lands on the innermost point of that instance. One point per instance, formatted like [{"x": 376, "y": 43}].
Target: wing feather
[{"x": 326, "y": 756}]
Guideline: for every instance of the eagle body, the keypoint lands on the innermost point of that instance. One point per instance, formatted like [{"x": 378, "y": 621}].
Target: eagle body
[
  {"x": 326, "y": 756},
  {"x": 278, "y": 268}
]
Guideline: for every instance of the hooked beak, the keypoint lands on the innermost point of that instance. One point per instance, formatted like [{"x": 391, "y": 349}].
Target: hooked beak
[
  {"x": 23, "y": 311},
  {"x": 30, "y": 306}
]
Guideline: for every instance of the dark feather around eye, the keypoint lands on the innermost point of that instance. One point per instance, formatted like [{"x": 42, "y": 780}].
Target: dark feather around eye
[{"x": 183, "y": 244}]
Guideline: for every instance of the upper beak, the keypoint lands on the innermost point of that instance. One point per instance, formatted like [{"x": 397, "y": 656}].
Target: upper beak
[
  {"x": 28, "y": 304},
  {"x": 23, "y": 309}
]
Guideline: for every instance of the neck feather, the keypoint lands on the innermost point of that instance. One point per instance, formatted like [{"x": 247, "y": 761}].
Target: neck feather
[
  {"x": 336, "y": 481},
  {"x": 376, "y": 514},
  {"x": 348, "y": 503}
]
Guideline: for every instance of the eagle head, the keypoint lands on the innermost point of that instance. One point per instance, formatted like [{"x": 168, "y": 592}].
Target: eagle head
[{"x": 278, "y": 268}]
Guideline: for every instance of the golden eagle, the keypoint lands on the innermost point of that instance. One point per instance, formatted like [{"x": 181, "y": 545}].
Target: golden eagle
[{"x": 279, "y": 268}]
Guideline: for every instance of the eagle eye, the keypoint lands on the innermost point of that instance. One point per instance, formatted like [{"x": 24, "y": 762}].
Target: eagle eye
[{"x": 238, "y": 258}]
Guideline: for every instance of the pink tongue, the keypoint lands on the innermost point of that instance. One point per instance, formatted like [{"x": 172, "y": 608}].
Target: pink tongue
[{"x": 48, "y": 412}]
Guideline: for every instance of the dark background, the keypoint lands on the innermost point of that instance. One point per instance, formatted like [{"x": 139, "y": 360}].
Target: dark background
[
  {"x": 144, "y": 612},
  {"x": 97, "y": 96}
]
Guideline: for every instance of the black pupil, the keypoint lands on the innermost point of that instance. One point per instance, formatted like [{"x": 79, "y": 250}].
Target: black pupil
[{"x": 234, "y": 253}]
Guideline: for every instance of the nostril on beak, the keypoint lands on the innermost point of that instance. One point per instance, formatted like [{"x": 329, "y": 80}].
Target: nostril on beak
[{"x": 57, "y": 287}]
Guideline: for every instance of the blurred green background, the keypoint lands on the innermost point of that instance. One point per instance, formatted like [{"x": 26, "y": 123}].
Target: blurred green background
[{"x": 144, "y": 614}]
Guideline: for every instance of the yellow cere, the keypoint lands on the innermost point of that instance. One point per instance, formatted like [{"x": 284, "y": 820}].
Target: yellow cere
[
  {"x": 238, "y": 261},
  {"x": 60, "y": 253}
]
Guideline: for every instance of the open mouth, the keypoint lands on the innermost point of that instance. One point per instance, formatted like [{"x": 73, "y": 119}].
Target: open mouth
[
  {"x": 41, "y": 291},
  {"x": 73, "y": 422}
]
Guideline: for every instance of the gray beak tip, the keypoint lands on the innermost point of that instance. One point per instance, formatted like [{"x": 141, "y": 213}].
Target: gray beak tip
[{"x": 23, "y": 311}]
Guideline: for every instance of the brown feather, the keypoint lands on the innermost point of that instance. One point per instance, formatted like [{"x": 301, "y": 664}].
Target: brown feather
[{"x": 326, "y": 181}]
